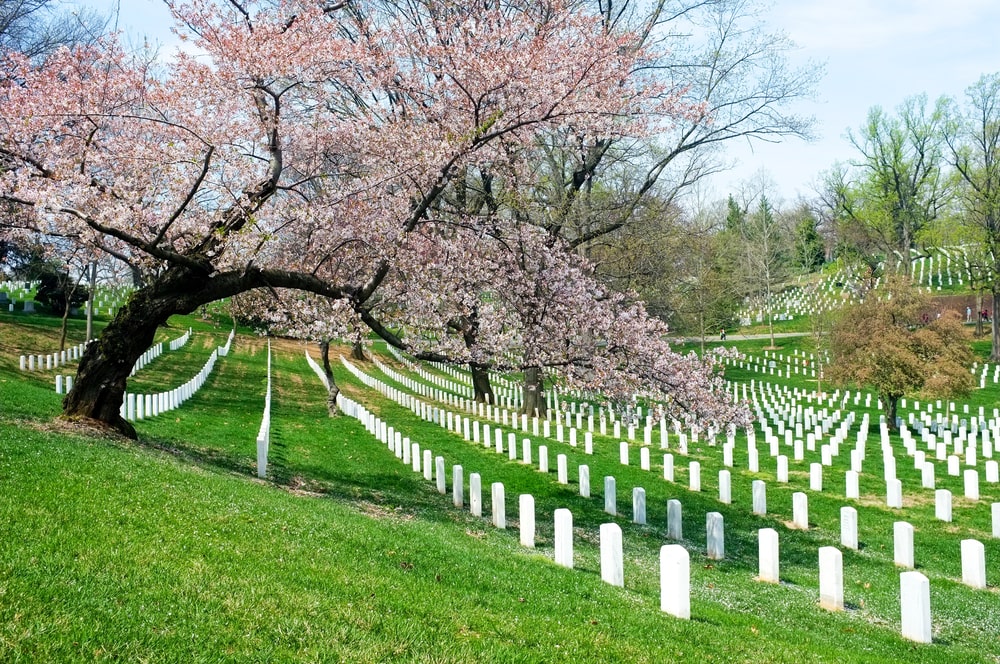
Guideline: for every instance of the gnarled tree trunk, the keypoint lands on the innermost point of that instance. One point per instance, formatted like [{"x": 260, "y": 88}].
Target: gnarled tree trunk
[
  {"x": 99, "y": 388},
  {"x": 481, "y": 383},
  {"x": 358, "y": 351},
  {"x": 534, "y": 393}
]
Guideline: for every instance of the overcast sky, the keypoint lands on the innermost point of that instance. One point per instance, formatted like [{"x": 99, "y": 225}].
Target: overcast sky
[{"x": 875, "y": 52}]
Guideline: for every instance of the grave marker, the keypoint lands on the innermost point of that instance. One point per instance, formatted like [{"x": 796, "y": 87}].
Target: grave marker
[
  {"x": 675, "y": 528},
  {"x": 849, "y": 527},
  {"x": 526, "y": 516},
  {"x": 915, "y": 602},
  {"x": 564, "y": 537},
  {"x": 902, "y": 539},
  {"x": 675, "y": 581},
  {"x": 800, "y": 511},
  {"x": 610, "y": 502},
  {"x": 458, "y": 492},
  {"x": 831, "y": 579},
  {"x": 715, "y": 536},
  {"x": 767, "y": 548},
  {"x": 639, "y": 505},
  {"x": 475, "y": 495},
  {"x": 612, "y": 569},
  {"x": 499, "y": 505}
]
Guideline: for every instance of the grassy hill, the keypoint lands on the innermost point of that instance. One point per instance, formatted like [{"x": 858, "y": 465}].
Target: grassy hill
[{"x": 170, "y": 549}]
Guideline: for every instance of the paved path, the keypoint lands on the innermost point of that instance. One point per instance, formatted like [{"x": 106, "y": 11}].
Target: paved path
[{"x": 739, "y": 337}]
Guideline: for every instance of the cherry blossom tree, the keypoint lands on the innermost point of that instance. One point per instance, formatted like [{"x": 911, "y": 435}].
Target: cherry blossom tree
[{"x": 297, "y": 150}]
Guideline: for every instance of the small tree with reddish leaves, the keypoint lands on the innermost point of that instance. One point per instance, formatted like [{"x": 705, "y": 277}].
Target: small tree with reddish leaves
[{"x": 895, "y": 342}]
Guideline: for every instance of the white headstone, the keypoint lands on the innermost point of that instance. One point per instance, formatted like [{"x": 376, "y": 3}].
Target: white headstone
[
  {"x": 942, "y": 504},
  {"x": 584, "y": 473},
  {"x": 457, "y": 488},
  {"x": 996, "y": 520},
  {"x": 526, "y": 451},
  {"x": 475, "y": 494},
  {"x": 782, "y": 470},
  {"x": 564, "y": 537},
  {"x": 852, "y": 490},
  {"x": 610, "y": 501},
  {"x": 668, "y": 467},
  {"x": 562, "y": 470},
  {"x": 971, "y": 477},
  {"x": 543, "y": 459},
  {"x": 894, "y": 494},
  {"x": 694, "y": 476},
  {"x": 675, "y": 581},
  {"x": 715, "y": 536},
  {"x": 499, "y": 505},
  {"x": 974, "y": 564},
  {"x": 675, "y": 528},
  {"x": 439, "y": 474},
  {"x": 725, "y": 487},
  {"x": 612, "y": 569},
  {"x": 849, "y": 527},
  {"x": 915, "y": 602},
  {"x": 759, "y": 491},
  {"x": 831, "y": 579},
  {"x": 902, "y": 538},
  {"x": 800, "y": 510},
  {"x": 623, "y": 452},
  {"x": 526, "y": 516},
  {"x": 815, "y": 477},
  {"x": 767, "y": 555}
]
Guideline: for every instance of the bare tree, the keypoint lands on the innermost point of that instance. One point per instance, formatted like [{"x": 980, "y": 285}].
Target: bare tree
[
  {"x": 972, "y": 137},
  {"x": 37, "y": 27}
]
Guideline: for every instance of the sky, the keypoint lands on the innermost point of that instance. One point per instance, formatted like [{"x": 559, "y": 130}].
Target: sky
[{"x": 875, "y": 53}]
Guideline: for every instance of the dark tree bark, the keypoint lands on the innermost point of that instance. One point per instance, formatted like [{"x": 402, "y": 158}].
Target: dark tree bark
[
  {"x": 99, "y": 388},
  {"x": 331, "y": 400},
  {"x": 481, "y": 383},
  {"x": 534, "y": 393},
  {"x": 358, "y": 351},
  {"x": 483, "y": 391},
  {"x": 995, "y": 324},
  {"x": 889, "y": 403}
]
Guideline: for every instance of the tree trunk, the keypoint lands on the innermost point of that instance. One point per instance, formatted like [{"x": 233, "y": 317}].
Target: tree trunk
[
  {"x": 889, "y": 403},
  {"x": 483, "y": 391},
  {"x": 65, "y": 322},
  {"x": 534, "y": 393},
  {"x": 481, "y": 383},
  {"x": 99, "y": 388},
  {"x": 331, "y": 399},
  {"x": 995, "y": 326},
  {"x": 358, "y": 351},
  {"x": 979, "y": 313},
  {"x": 92, "y": 273}
]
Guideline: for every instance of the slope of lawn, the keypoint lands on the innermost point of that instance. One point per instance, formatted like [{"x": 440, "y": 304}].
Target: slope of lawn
[{"x": 170, "y": 549}]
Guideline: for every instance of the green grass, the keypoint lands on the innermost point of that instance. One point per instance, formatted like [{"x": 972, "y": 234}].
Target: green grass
[{"x": 170, "y": 549}]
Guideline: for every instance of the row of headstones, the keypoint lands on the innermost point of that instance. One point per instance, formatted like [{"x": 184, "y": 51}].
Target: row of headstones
[
  {"x": 520, "y": 420},
  {"x": 505, "y": 392},
  {"x": 52, "y": 360},
  {"x": 264, "y": 432},
  {"x": 179, "y": 342},
  {"x": 147, "y": 356},
  {"x": 143, "y": 406},
  {"x": 675, "y": 596},
  {"x": 894, "y": 497},
  {"x": 675, "y": 559},
  {"x": 970, "y": 453}
]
